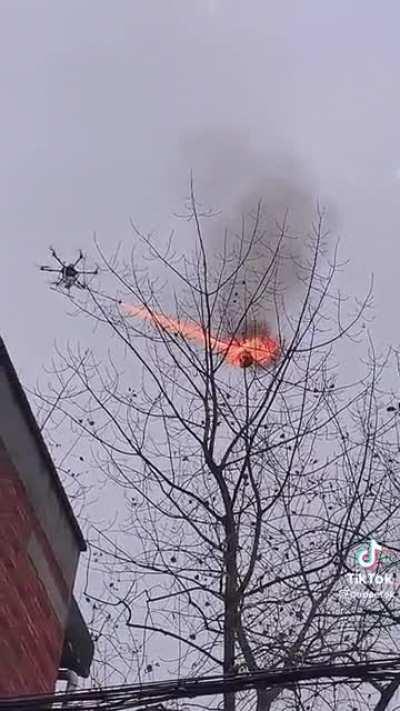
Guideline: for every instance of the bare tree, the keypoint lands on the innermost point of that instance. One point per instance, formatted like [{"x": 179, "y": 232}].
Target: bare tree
[{"x": 247, "y": 482}]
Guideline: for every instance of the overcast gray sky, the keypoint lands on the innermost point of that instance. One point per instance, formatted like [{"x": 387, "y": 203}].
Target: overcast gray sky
[{"x": 105, "y": 105}]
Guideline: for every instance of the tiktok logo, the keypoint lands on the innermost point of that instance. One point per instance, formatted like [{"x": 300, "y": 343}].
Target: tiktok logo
[
  {"x": 368, "y": 556},
  {"x": 377, "y": 563}
]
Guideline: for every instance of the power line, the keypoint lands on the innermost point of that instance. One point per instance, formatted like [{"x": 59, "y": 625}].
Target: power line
[{"x": 155, "y": 694}]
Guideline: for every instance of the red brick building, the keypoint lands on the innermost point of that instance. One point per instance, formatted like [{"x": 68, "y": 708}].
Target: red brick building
[{"x": 41, "y": 628}]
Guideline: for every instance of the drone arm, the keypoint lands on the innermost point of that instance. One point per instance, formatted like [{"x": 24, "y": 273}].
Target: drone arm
[
  {"x": 79, "y": 259},
  {"x": 53, "y": 254},
  {"x": 48, "y": 269}
]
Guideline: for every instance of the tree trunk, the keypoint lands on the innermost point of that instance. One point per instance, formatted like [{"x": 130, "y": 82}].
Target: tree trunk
[
  {"x": 229, "y": 649},
  {"x": 230, "y": 612},
  {"x": 265, "y": 698}
]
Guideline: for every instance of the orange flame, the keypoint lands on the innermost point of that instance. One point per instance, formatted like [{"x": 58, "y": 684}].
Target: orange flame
[{"x": 259, "y": 349}]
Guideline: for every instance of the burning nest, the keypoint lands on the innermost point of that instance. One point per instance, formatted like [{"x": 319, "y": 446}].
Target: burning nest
[{"x": 257, "y": 348}]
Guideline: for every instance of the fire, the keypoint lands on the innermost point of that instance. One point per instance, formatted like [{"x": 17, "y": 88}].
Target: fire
[{"x": 258, "y": 349}]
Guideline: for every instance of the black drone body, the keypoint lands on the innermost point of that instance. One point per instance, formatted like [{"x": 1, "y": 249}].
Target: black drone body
[{"x": 68, "y": 274}]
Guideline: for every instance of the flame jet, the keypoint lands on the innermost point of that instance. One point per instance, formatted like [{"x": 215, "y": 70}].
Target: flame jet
[{"x": 258, "y": 349}]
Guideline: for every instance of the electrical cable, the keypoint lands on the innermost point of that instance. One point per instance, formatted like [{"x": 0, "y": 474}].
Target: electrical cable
[{"x": 153, "y": 695}]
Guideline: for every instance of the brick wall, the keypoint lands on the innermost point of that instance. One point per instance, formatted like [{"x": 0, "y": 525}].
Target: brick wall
[{"x": 33, "y": 595}]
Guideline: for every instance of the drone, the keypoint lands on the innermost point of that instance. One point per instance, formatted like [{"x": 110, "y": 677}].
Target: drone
[{"x": 68, "y": 274}]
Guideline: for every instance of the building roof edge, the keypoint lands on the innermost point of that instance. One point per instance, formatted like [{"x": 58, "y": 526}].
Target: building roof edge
[{"x": 6, "y": 363}]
